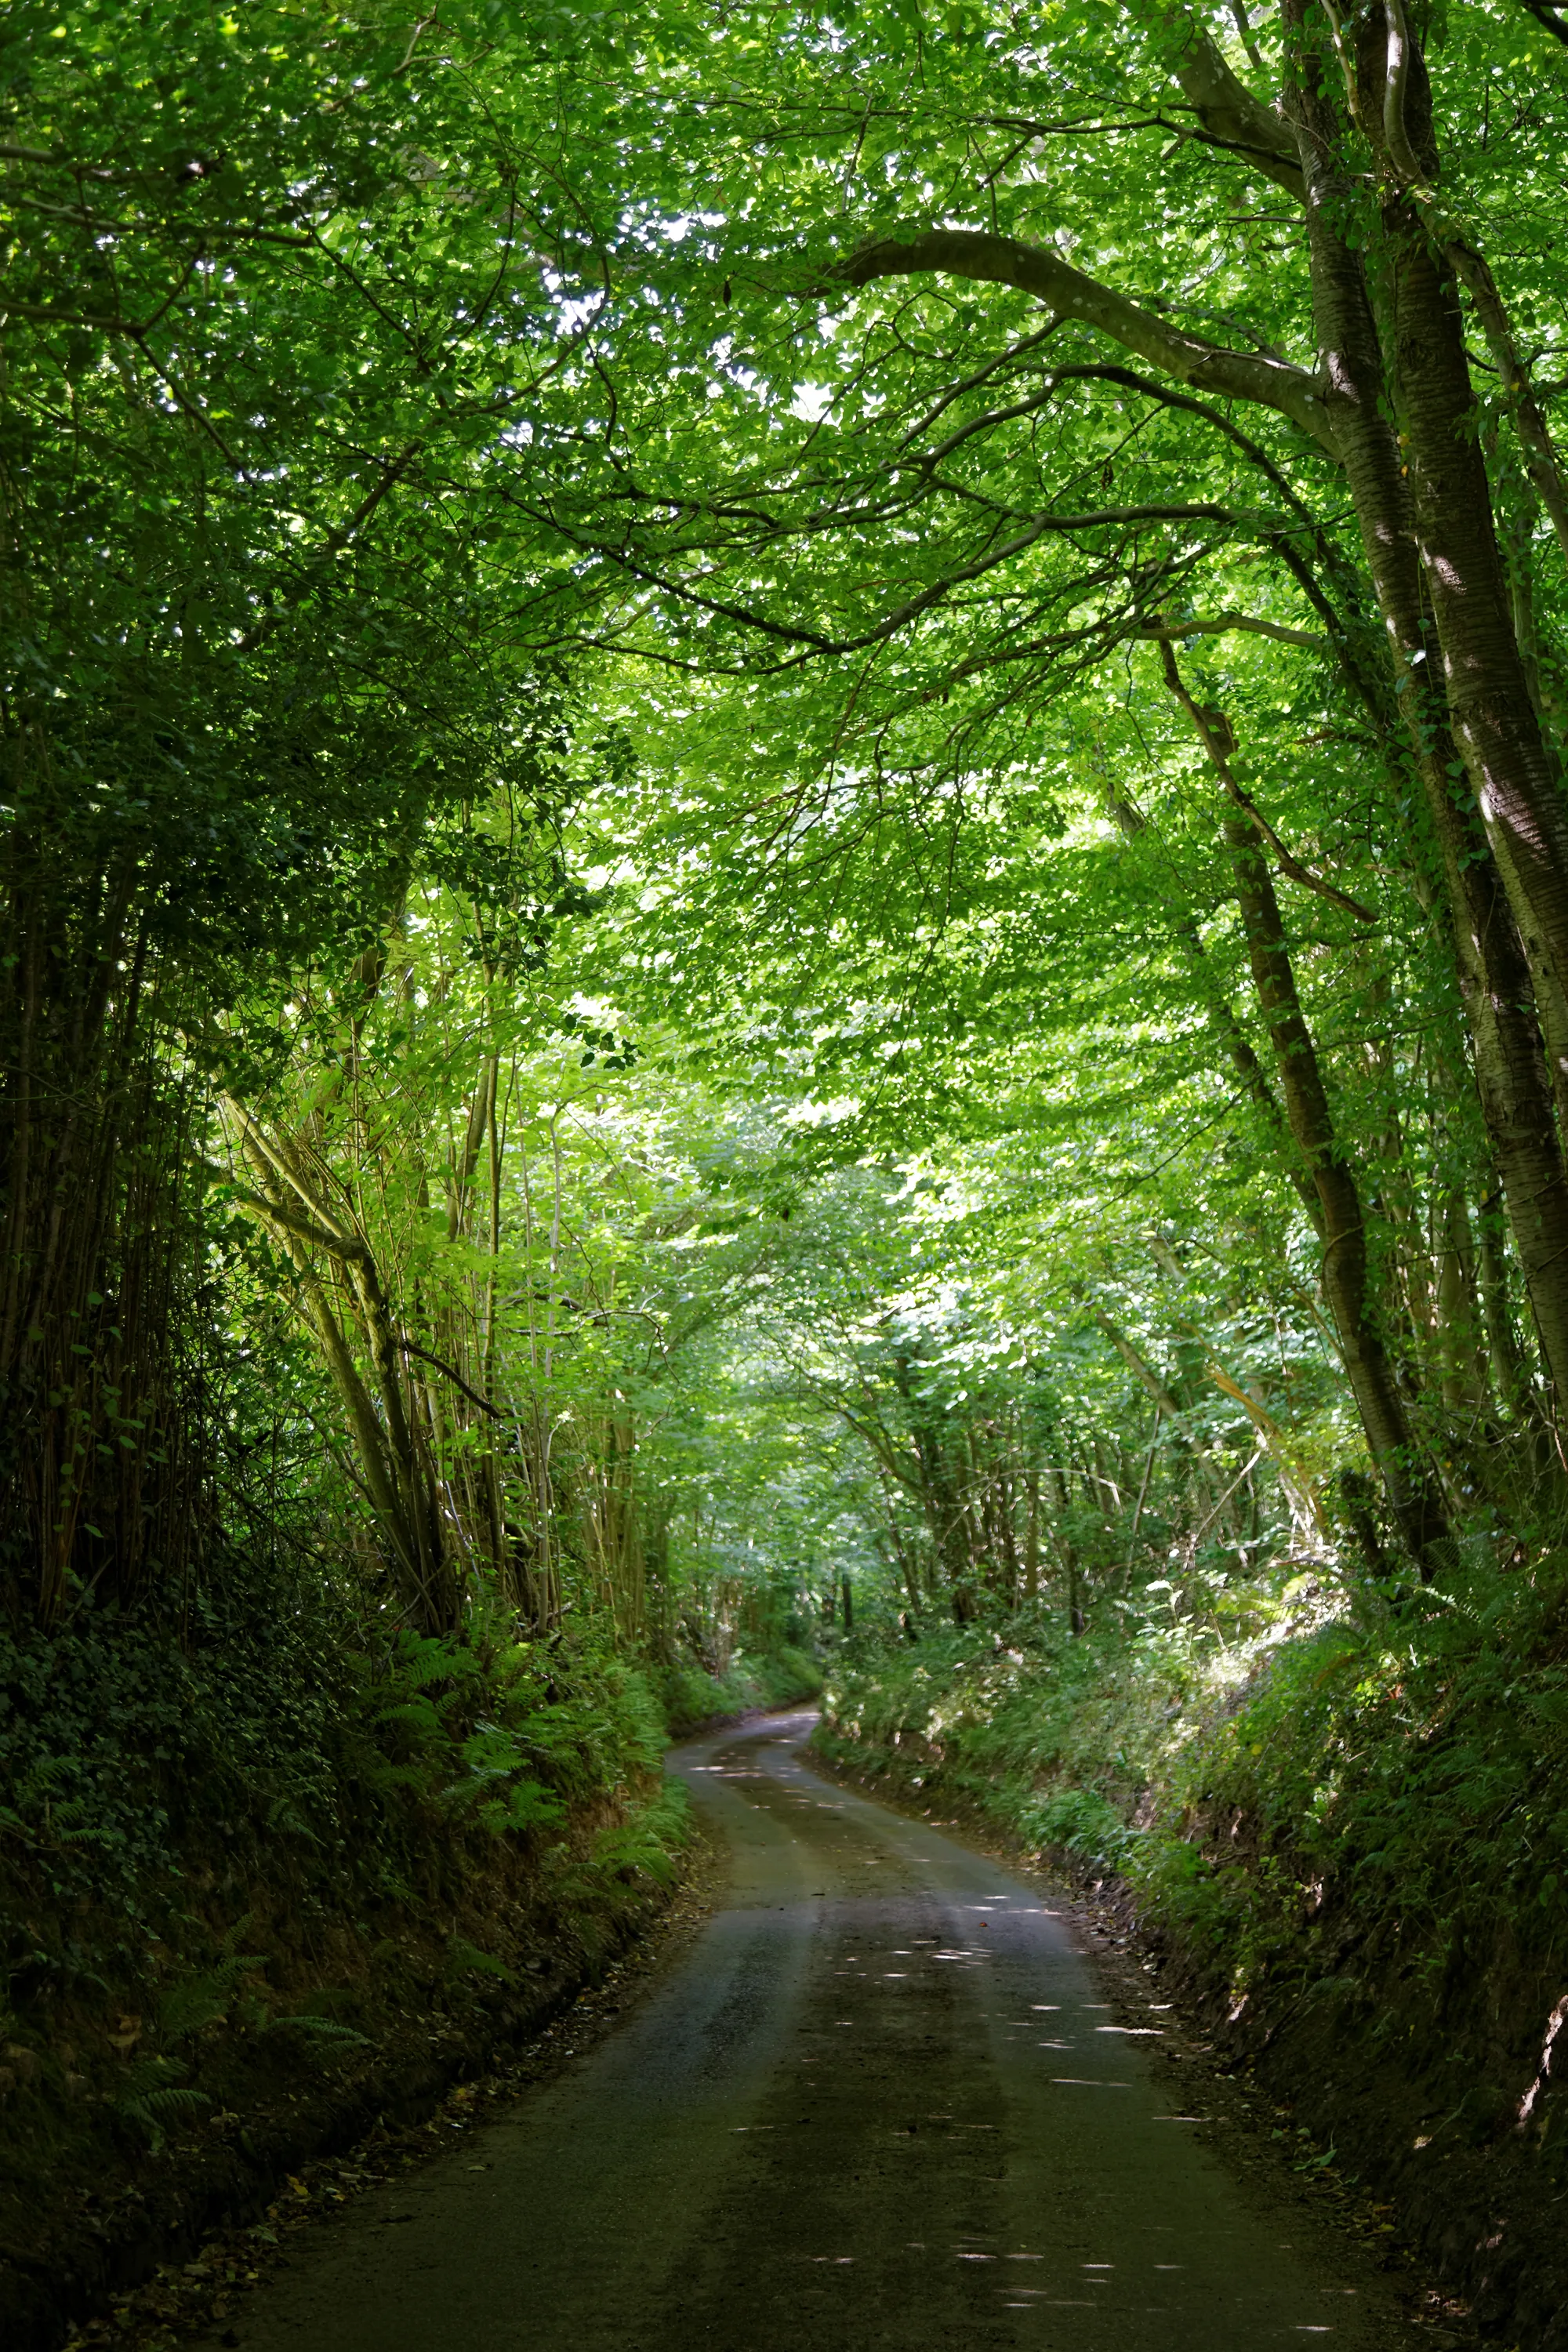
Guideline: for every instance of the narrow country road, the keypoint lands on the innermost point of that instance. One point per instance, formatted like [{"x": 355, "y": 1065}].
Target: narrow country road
[{"x": 879, "y": 2103}]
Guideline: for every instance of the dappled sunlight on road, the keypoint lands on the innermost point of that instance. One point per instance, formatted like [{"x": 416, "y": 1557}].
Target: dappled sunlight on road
[{"x": 881, "y": 2102}]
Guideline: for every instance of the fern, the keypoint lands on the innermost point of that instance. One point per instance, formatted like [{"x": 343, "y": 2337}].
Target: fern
[
  {"x": 498, "y": 1783},
  {"x": 526, "y": 1805},
  {"x": 325, "y": 2032},
  {"x": 285, "y": 1815},
  {"x": 154, "y": 2096},
  {"x": 419, "y": 1712},
  {"x": 200, "y": 2000},
  {"x": 423, "y": 1659},
  {"x": 646, "y": 1844},
  {"x": 466, "y": 1959}
]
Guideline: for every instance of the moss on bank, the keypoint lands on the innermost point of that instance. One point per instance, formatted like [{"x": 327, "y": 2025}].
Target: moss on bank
[{"x": 271, "y": 1873}]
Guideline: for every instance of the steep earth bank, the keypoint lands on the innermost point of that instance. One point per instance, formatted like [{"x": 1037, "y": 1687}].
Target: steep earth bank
[
  {"x": 1323, "y": 1839},
  {"x": 255, "y": 1896}
]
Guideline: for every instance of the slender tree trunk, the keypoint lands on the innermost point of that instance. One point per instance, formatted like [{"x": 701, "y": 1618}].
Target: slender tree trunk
[
  {"x": 1412, "y": 1496},
  {"x": 1509, "y": 1370},
  {"x": 1066, "y": 1549},
  {"x": 1226, "y": 1030},
  {"x": 1458, "y": 1318},
  {"x": 392, "y": 1434}
]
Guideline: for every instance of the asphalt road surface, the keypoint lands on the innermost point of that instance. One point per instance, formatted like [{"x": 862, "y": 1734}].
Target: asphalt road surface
[{"x": 880, "y": 2102}]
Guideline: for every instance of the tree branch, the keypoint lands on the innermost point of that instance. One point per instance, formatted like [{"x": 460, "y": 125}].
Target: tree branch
[
  {"x": 815, "y": 641},
  {"x": 974, "y": 255},
  {"x": 1220, "y": 622},
  {"x": 392, "y": 472},
  {"x": 1230, "y": 116},
  {"x": 457, "y": 1378},
  {"x": 1206, "y": 725},
  {"x": 1545, "y": 15},
  {"x": 289, "y": 1221},
  {"x": 1540, "y": 454}
]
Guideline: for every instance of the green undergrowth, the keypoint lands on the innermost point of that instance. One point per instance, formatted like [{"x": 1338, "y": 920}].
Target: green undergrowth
[
  {"x": 1356, "y": 1799},
  {"x": 692, "y": 1694},
  {"x": 273, "y": 1849}
]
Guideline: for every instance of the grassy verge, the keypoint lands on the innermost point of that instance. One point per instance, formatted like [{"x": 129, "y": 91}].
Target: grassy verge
[{"x": 1349, "y": 1820}]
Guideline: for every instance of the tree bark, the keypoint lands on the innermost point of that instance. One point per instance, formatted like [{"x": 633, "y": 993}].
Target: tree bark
[
  {"x": 1509, "y": 1370},
  {"x": 1493, "y": 717},
  {"x": 1411, "y": 1494},
  {"x": 1492, "y": 710},
  {"x": 1225, "y": 1029},
  {"x": 1493, "y": 976}
]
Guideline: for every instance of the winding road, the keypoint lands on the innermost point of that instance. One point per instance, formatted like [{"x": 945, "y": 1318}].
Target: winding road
[{"x": 881, "y": 2101}]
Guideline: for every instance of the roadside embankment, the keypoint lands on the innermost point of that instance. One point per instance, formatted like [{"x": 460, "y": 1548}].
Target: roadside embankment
[
  {"x": 1345, "y": 1832},
  {"x": 263, "y": 1888}
]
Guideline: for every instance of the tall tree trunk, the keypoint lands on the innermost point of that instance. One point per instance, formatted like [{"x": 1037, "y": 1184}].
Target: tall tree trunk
[
  {"x": 1492, "y": 713},
  {"x": 1459, "y": 1314},
  {"x": 1412, "y": 1496},
  {"x": 1032, "y": 1538},
  {"x": 1509, "y": 1370},
  {"x": 391, "y": 1433},
  {"x": 1223, "y": 1028},
  {"x": 1493, "y": 976}
]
